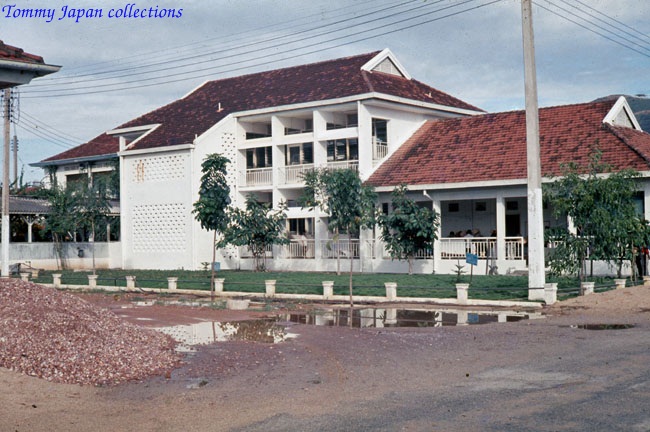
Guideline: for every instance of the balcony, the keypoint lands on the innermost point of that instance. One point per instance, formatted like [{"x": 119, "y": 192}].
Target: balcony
[
  {"x": 379, "y": 149},
  {"x": 258, "y": 177},
  {"x": 299, "y": 249},
  {"x": 293, "y": 174},
  {"x": 347, "y": 164}
]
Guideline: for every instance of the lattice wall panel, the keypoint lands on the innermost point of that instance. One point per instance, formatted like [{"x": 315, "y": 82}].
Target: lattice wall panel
[
  {"x": 159, "y": 168},
  {"x": 159, "y": 228}
]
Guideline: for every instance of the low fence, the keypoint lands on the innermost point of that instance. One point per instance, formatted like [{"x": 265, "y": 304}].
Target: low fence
[
  {"x": 76, "y": 255},
  {"x": 461, "y": 294}
]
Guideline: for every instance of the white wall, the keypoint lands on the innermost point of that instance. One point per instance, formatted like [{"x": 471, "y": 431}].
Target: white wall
[{"x": 156, "y": 210}]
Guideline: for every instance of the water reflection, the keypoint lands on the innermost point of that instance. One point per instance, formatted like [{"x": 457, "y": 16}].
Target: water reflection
[
  {"x": 394, "y": 317},
  {"x": 265, "y": 331}
]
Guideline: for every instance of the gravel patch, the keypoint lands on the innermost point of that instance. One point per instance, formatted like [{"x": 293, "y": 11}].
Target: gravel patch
[{"x": 62, "y": 338}]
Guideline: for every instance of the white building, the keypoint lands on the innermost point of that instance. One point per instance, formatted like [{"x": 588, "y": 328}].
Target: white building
[{"x": 364, "y": 112}]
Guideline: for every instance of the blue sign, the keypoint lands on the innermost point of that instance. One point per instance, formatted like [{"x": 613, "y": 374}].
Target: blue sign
[{"x": 471, "y": 259}]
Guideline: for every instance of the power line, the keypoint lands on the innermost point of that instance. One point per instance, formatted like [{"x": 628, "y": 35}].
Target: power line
[
  {"x": 265, "y": 41},
  {"x": 294, "y": 55},
  {"x": 234, "y": 37},
  {"x": 51, "y": 129},
  {"x": 604, "y": 29}
]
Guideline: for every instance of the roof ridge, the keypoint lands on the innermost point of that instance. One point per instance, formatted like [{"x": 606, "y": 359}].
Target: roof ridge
[{"x": 348, "y": 58}]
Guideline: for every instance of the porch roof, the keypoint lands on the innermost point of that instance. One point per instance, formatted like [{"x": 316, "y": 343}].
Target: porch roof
[
  {"x": 22, "y": 205},
  {"x": 492, "y": 147}
]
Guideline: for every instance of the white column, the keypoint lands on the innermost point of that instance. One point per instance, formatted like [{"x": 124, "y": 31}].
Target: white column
[
  {"x": 365, "y": 140},
  {"x": 501, "y": 233},
  {"x": 437, "y": 253}
]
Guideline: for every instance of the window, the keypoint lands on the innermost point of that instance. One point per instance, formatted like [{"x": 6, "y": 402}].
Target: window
[
  {"x": 343, "y": 149},
  {"x": 260, "y": 157},
  {"x": 480, "y": 206},
  {"x": 453, "y": 207},
  {"x": 380, "y": 130},
  {"x": 300, "y": 154},
  {"x": 302, "y": 226},
  {"x": 512, "y": 205}
]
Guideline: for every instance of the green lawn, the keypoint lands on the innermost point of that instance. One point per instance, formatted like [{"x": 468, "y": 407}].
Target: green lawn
[{"x": 420, "y": 285}]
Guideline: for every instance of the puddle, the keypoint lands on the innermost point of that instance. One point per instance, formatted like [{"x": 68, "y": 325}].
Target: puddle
[
  {"x": 602, "y": 326},
  {"x": 207, "y": 332},
  {"x": 393, "y": 317}
]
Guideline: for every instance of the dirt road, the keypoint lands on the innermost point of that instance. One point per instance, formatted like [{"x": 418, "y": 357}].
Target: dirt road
[{"x": 547, "y": 375}]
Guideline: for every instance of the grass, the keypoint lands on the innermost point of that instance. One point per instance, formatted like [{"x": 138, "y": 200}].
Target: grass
[{"x": 364, "y": 284}]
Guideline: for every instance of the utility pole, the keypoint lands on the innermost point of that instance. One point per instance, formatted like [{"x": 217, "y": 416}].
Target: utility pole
[
  {"x": 536, "y": 275},
  {"x": 5, "y": 185}
]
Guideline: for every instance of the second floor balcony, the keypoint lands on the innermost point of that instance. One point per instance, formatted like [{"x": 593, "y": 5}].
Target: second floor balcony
[
  {"x": 258, "y": 177},
  {"x": 293, "y": 174}
]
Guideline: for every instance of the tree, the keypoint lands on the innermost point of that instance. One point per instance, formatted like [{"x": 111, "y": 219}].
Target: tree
[
  {"x": 211, "y": 209},
  {"x": 256, "y": 227},
  {"x": 349, "y": 203},
  {"x": 409, "y": 228},
  {"x": 61, "y": 221},
  {"x": 79, "y": 207},
  {"x": 603, "y": 212},
  {"x": 91, "y": 207}
]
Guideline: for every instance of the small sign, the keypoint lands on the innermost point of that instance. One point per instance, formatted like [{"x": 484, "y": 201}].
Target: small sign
[{"x": 471, "y": 259}]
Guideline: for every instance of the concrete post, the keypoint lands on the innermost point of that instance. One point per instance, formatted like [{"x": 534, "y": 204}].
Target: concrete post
[
  {"x": 24, "y": 277},
  {"x": 218, "y": 285},
  {"x": 328, "y": 289},
  {"x": 550, "y": 293},
  {"x": 270, "y": 287},
  {"x": 92, "y": 281},
  {"x": 172, "y": 283},
  {"x": 391, "y": 316},
  {"x": 587, "y": 287},
  {"x": 461, "y": 292},
  {"x": 391, "y": 290},
  {"x": 619, "y": 283},
  {"x": 130, "y": 282},
  {"x": 56, "y": 280}
]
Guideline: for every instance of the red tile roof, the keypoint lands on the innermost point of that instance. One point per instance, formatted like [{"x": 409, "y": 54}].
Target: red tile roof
[
  {"x": 8, "y": 52},
  {"x": 100, "y": 146},
  {"x": 183, "y": 119},
  {"x": 493, "y": 146}
]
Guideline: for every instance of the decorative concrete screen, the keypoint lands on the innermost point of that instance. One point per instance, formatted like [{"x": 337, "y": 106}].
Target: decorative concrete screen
[
  {"x": 159, "y": 227},
  {"x": 160, "y": 168}
]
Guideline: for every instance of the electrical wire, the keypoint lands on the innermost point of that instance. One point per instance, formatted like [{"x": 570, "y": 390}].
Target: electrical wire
[
  {"x": 295, "y": 55},
  {"x": 225, "y": 48},
  {"x": 34, "y": 88}
]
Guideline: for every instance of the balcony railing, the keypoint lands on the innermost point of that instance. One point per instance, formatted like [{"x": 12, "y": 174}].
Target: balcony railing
[
  {"x": 299, "y": 249},
  {"x": 293, "y": 174},
  {"x": 351, "y": 164},
  {"x": 484, "y": 247},
  {"x": 379, "y": 149},
  {"x": 331, "y": 249},
  {"x": 258, "y": 177}
]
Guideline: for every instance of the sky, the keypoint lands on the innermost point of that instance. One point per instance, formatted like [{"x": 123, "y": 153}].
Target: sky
[{"x": 116, "y": 68}]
